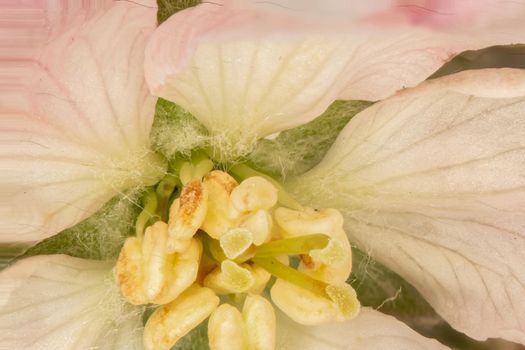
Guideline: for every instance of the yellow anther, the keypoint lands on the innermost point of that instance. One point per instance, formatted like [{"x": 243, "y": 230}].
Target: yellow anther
[
  {"x": 154, "y": 258},
  {"x": 221, "y": 214},
  {"x": 254, "y": 329},
  {"x": 229, "y": 278},
  {"x": 344, "y": 296},
  {"x": 235, "y": 242},
  {"x": 333, "y": 253},
  {"x": 308, "y": 221},
  {"x": 331, "y": 264},
  {"x": 186, "y": 215},
  {"x": 260, "y": 276},
  {"x": 260, "y": 225},
  {"x": 259, "y": 321},
  {"x": 189, "y": 172},
  {"x": 180, "y": 272},
  {"x": 224, "y": 180},
  {"x": 226, "y": 329},
  {"x": 308, "y": 308},
  {"x": 130, "y": 273},
  {"x": 147, "y": 273},
  {"x": 253, "y": 194},
  {"x": 172, "y": 321}
]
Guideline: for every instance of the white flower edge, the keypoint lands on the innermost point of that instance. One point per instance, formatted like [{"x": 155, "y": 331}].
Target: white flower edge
[
  {"x": 370, "y": 330},
  {"x": 61, "y": 302},
  {"x": 431, "y": 184},
  {"x": 78, "y": 134}
]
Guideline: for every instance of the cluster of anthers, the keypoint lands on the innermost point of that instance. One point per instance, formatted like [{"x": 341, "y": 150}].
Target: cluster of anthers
[{"x": 216, "y": 255}]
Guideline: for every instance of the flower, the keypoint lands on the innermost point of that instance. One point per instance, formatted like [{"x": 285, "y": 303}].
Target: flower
[{"x": 425, "y": 179}]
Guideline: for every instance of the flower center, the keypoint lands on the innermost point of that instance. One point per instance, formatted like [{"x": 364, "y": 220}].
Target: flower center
[{"x": 226, "y": 242}]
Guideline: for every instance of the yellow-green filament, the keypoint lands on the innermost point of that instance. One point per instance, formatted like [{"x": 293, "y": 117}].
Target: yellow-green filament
[
  {"x": 149, "y": 202},
  {"x": 164, "y": 190}
]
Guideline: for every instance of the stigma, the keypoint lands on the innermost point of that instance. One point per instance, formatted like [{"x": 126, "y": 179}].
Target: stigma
[{"x": 223, "y": 250}]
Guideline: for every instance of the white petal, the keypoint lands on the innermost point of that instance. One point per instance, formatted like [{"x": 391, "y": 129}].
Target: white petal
[
  {"x": 248, "y": 69},
  {"x": 60, "y": 302},
  {"x": 245, "y": 84},
  {"x": 370, "y": 330},
  {"x": 78, "y": 133},
  {"x": 431, "y": 183}
]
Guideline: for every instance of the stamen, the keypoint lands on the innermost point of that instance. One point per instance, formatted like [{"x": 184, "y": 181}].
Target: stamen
[
  {"x": 260, "y": 225},
  {"x": 253, "y": 194},
  {"x": 292, "y": 246},
  {"x": 345, "y": 297},
  {"x": 154, "y": 258},
  {"x": 172, "y": 321},
  {"x": 226, "y": 329},
  {"x": 147, "y": 273},
  {"x": 164, "y": 190},
  {"x": 186, "y": 215},
  {"x": 332, "y": 254},
  {"x": 261, "y": 278},
  {"x": 191, "y": 171},
  {"x": 242, "y": 171},
  {"x": 220, "y": 215},
  {"x": 259, "y": 319},
  {"x": 229, "y": 278},
  {"x": 235, "y": 242},
  {"x": 149, "y": 202}
]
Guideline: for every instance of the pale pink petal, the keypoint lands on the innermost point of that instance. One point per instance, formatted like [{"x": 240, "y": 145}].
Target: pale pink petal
[
  {"x": 26, "y": 26},
  {"x": 415, "y": 37},
  {"x": 247, "y": 69},
  {"x": 59, "y": 302},
  {"x": 77, "y": 133},
  {"x": 431, "y": 183},
  {"x": 245, "y": 73},
  {"x": 452, "y": 15},
  {"x": 370, "y": 330}
]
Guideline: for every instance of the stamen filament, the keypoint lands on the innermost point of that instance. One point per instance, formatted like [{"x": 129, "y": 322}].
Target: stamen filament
[
  {"x": 164, "y": 190},
  {"x": 292, "y": 246},
  {"x": 287, "y": 273},
  {"x": 149, "y": 202},
  {"x": 176, "y": 165},
  {"x": 198, "y": 166},
  {"x": 243, "y": 171},
  {"x": 199, "y": 155}
]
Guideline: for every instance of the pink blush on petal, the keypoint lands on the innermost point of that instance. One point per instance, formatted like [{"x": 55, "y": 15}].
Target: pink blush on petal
[{"x": 446, "y": 15}]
